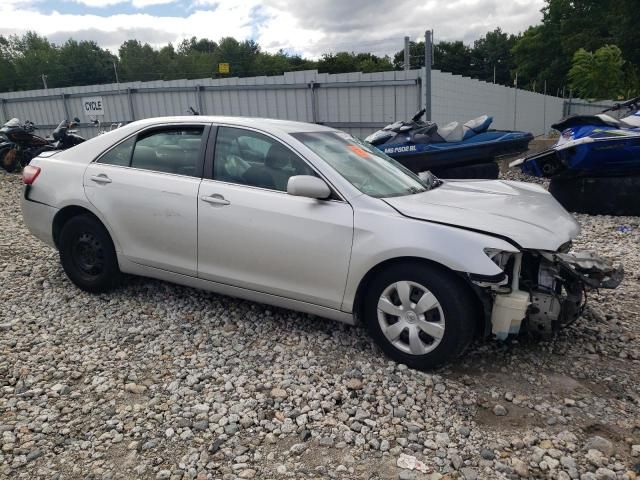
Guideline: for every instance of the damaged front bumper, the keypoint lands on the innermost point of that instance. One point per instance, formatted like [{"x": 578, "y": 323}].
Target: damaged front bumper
[{"x": 542, "y": 291}]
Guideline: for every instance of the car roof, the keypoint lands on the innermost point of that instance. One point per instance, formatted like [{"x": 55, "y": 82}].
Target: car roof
[{"x": 268, "y": 124}]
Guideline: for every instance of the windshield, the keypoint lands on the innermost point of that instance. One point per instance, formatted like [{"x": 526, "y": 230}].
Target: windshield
[{"x": 364, "y": 166}]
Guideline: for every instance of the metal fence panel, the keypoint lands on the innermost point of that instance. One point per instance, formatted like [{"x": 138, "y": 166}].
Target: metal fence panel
[{"x": 356, "y": 102}]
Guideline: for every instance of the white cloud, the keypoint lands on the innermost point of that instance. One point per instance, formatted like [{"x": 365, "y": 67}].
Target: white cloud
[
  {"x": 100, "y": 3},
  {"x": 148, "y": 3},
  {"x": 311, "y": 28},
  {"x": 135, "y": 3}
]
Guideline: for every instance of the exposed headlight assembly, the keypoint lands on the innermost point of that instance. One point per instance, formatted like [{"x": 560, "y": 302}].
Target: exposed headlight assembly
[{"x": 499, "y": 257}]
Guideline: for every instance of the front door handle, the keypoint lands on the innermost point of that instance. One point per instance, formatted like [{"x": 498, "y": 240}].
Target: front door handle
[
  {"x": 102, "y": 178},
  {"x": 215, "y": 199}
]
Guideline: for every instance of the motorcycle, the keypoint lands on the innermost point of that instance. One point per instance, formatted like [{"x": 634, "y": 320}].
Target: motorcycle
[
  {"x": 19, "y": 144},
  {"x": 465, "y": 149},
  {"x": 101, "y": 131}
]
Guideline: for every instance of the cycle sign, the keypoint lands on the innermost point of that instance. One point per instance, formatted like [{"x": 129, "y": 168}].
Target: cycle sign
[{"x": 93, "y": 106}]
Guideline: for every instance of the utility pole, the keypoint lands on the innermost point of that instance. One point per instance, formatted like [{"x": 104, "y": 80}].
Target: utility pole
[
  {"x": 44, "y": 81},
  {"x": 494, "y": 73},
  {"x": 407, "y": 54},
  {"x": 428, "y": 62}
]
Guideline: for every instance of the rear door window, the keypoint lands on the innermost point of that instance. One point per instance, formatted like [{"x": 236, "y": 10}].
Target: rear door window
[
  {"x": 120, "y": 155},
  {"x": 174, "y": 150}
]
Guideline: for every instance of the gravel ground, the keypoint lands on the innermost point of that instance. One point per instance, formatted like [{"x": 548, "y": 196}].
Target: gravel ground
[{"x": 164, "y": 382}]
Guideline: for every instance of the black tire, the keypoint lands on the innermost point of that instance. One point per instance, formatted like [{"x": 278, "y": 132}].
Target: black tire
[
  {"x": 87, "y": 255},
  {"x": 488, "y": 171},
  {"x": 456, "y": 304},
  {"x": 598, "y": 195},
  {"x": 9, "y": 160}
]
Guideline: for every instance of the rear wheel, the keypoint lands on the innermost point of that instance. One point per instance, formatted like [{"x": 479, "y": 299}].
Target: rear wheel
[
  {"x": 9, "y": 160},
  {"x": 87, "y": 255},
  {"x": 419, "y": 315}
]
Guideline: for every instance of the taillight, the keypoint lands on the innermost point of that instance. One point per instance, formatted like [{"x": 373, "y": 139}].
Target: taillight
[{"x": 29, "y": 174}]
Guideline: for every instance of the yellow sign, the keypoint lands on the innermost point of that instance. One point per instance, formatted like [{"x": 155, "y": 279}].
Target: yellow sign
[{"x": 223, "y": 68}]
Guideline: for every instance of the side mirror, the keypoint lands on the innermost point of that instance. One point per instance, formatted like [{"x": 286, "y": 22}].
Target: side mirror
[{"x": 308, "y": 186}]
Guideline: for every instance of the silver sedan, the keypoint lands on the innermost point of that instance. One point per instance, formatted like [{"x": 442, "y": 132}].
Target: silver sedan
[{"x": 309, "y": 218}]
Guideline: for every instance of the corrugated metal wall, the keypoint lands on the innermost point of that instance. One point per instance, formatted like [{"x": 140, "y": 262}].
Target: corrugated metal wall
[
  {"x": 356, "y": 102},
  {"x": 456, "y": 98}
]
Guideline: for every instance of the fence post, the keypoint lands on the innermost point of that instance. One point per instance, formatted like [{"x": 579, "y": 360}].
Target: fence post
[
  {"x": 544, "y": 110},
  {"x": 515, "y": 101},
  {"x": 428, "y": 61},
  {"x": 199, "y": 89},
  {"x": 314, "y": 103},
  {"x": 407, "y": 54},
  {"x": 132, "y": 113},
  {"x": 65, "y": 107},
  {"x": 3, "y": 109}
]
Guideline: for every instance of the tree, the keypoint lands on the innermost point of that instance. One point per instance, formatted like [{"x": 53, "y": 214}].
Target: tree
[
  {"x": 597, "y": 75},
  {"x": 8, "y": 78},
  {"x": 453, "y": 57},
  {"x": 491, "y": 55},
  {"x": 138, "y": 62},
  {"x": 82, "y": 63},
  {"x": 34, "y": 56}
]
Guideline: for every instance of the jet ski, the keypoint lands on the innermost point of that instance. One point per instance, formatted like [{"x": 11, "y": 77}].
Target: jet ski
[
  {"x": 422, "y": 145},
  {"x": 595, "y": 165},
  {"x": 591, "y": 146}
]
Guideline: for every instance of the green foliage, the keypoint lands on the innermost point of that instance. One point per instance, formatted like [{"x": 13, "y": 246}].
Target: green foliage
[
  {"x": 453, "y": 57},
  {"x": 492, "y": 53},
  {"x": 544, "y": 53},
  {"x": 597, "y": 75},
  {"x": 343, "y": 62}
]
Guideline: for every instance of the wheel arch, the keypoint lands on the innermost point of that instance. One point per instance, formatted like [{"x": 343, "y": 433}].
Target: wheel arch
[
  {"x": 67, "y": 213},
  {"x": 363, "y": 286}
]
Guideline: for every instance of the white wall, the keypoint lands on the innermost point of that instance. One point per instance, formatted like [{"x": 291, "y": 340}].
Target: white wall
[{"x": 461, "y": 98}]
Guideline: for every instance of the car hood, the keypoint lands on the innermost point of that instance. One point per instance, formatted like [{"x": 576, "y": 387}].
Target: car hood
[{"x": 523, "y": 212}]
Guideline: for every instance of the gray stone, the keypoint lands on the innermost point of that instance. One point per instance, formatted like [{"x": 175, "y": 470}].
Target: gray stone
[
  {"x": 499, "y": 410},
  {"x": 469, "y": 473},
  {"x": 601, "y": 444},
  {"x": 487, "y": 454}
]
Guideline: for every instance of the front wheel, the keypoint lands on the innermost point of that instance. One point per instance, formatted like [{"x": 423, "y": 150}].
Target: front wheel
[
  {"x": 87, "y": 255},
  {"x": 420, "y": 315}
]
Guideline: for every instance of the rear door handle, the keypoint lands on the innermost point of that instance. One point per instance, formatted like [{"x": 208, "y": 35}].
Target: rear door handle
[
  {"x": 102, "y": 178},
  {"x": 215, "y": 199}
]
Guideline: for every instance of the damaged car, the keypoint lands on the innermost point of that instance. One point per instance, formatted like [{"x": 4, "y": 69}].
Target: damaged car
[{"x": 309, "y": 218}]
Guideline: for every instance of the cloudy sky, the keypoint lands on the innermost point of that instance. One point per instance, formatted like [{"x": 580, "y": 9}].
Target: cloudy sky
[{"x": 309, "y": 27}]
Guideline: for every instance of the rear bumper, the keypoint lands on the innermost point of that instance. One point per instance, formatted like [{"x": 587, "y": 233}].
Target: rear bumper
[{"x": 38, "y": 218}]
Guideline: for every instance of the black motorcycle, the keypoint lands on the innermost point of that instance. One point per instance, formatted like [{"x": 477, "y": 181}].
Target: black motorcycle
[{"x": 19, "y": 144}]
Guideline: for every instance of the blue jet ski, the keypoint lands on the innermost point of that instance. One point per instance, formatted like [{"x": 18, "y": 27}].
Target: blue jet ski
[
  {"x": 591, "y": 146},
  {"x": 421, "y": 146}
]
